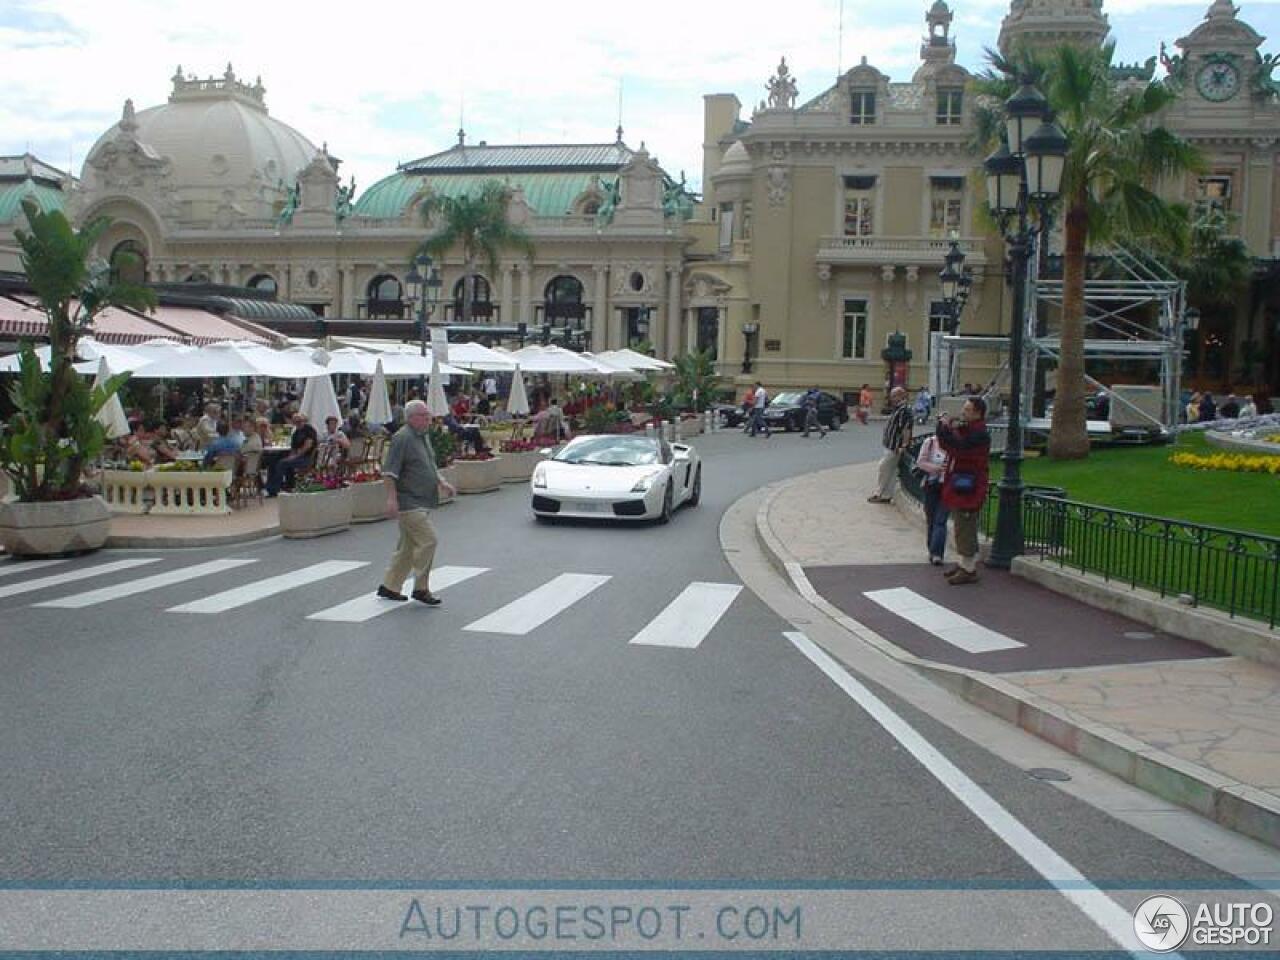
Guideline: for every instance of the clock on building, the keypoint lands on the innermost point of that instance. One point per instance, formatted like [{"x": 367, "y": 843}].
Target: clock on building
[{"x": 1218, "y": 80}]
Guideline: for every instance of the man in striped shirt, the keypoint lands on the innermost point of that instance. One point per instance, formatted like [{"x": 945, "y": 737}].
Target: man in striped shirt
[{"x": 897, "y": 437}]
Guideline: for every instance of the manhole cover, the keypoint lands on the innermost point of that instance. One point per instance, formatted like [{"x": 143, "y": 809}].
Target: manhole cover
[
  {"x": 1139, "y": 635},
  {"x": 1049, "y": 773}
]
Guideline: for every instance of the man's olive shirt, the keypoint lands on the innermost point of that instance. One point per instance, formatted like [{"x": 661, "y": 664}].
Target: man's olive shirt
[{"x": 411, "y": 462}]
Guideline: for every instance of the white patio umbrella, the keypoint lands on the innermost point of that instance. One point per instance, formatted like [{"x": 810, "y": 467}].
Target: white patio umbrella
[
  {"x": 379, "y": 408},
  {"x": 319, "y": 401},
  {"x": 437, "y": 405},
  {"x": 535, "y": 359},
  {"x": 396, "y": 364},
  {"x": 635, "y": 360},
  {"x": 88, "y": 352},
  {"x": 111, "y": 416},
  {"x": 231, "y": 359},
  {"x": 476, "y": 356},
  {"x": 614, "y": 370},
  {"x": 518, "y": 400}
]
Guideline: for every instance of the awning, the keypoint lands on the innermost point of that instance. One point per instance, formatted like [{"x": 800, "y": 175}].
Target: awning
[
  {"x": 24, "y": 318},
  {"x": 201, "y": 328}
]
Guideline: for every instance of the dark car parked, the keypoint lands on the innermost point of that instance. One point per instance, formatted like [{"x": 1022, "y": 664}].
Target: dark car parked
[
  {"x": 730, "y": 415},
  {"x": 786, "y": 411}
]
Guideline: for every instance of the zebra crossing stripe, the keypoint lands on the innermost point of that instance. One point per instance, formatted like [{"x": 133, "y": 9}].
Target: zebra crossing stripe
[
  {"x": 240, "y": 596},
  {"x": 121, "y": 590},
  {"x": 13, "y": 589},
  {"x": 538, "y": 606},
  {"x": 944, "y": 624},
  {"x": 25, "y": 566},
  {"x": 686, "y": 620},
  {"x": 367, "y": 606}
]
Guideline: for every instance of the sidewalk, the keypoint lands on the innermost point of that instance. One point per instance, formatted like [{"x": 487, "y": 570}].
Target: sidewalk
[
  {"x": 252, "y": 522},
  {"x": 1184, "y": 721}
]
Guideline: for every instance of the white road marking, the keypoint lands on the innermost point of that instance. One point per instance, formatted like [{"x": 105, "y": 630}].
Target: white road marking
[
  {"x": 1110, "y": 917},
  {"x": 367, "y": 606},
  {"x": 240, "y": 596},
  {"x": 538, "y": 606},
  {"x": 942, "y": 623},
  {"x": 120, "y": 590},
  {"x": 84, "y": 573},
  {"x": 25, "y": 566},
  {"x": 688, "y": 618}
]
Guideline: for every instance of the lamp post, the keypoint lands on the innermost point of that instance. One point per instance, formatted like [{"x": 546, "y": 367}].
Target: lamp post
[
  {"x": 956, "y": 280},
  {"x": 749, "y": 331},
  {"x": 422, "y": 283},
  {"x": 1024, "y": 177}
]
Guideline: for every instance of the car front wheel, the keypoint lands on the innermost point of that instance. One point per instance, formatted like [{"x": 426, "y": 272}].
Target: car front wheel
[
  {"x": 667, "y": 506},
  {"x": 696, "y": 496}
]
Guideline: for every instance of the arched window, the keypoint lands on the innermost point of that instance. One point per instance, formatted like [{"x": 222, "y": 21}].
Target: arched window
[
  {"x": 563, "y": 301},
  {"x": 386, "y": 297},
  {"x": 481, "y": 298},
  {"x": 128, "y": 263},
  {"x": 264, "y": 282}
]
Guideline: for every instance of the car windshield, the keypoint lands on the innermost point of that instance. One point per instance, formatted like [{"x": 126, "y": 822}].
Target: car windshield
[
  {"x": 610, "y": 451},
  {"x": 791, "y": 396}
]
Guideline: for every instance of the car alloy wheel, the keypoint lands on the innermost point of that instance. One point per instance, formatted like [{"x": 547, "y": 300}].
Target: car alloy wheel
[
  {"x": 696, "y": 496},
  {"x": 667, "y": 508}
]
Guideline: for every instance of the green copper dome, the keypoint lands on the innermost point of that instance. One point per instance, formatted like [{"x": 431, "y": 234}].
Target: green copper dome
[
  {"x": 548, "y": 194},
  {"x": 11, "y": 195}
]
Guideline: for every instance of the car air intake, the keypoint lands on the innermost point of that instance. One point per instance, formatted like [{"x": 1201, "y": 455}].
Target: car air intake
[
  {"x": 545, "y": 504},
  {"x": 629, "y": 508}
]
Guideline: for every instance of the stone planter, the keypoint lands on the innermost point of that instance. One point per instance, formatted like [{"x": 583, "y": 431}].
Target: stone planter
[
  {"x": 368, "y": 501},
  {"x": 123, "y": 489},
  {"x": 517, "y": 467},
  {"x": 190, "y": 493},
  {"x": 305, "y": 515},
  {"x": 447, "y": 473},
  {"x": 477, "y": 476},
  {"x": 689, "y": 429},
  {"x": 51, "y": 529}
]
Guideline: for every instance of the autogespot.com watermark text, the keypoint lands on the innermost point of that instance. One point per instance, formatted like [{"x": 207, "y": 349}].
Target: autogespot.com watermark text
[{"x": 617, "y": 923}]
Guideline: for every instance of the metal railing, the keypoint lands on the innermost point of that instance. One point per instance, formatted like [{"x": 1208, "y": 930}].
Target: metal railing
[{"x": 1228, "y": 570}]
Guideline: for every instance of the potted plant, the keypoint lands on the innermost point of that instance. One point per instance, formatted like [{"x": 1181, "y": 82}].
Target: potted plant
[
  {"x": 54, "y": 434},
  {"x": 368, "y": 496},
  {"x": 443, "y": 445},
  {"x": 319, "y": 504},
  {"x": 476, "y": 472},
  {"x": 519, "y": 457}
]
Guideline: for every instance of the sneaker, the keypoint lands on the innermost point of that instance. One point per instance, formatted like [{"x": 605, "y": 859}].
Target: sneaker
[
  {"x": 430, "y": 599},
  {"x": 876, "y": 498},
  {"x": 386, "y": 594},
  {"x": 963, "y": 577},
  {"x": 936, "y": 561}
]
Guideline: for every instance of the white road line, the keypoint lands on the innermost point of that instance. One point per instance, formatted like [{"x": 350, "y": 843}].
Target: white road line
[
  {"x": 1110, "y": 917},
  {"x": 942, "y": 623},
  {"x": 25, "y": 566},
  {"x": 686, "y": 620},
  {"x": 368, "y": 606},
  {"x": 82, "y": 574},
  {"x": 538, "y": 606},
  {"x": 94, "y": 597},
  {"x": 230, "y": 599}
]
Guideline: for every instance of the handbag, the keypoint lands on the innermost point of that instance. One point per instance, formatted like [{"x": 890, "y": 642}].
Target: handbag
[{"x": 964, "y": 482}]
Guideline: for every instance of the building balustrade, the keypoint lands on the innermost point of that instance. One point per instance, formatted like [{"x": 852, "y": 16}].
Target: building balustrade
[{"x": 876, "y": 250}]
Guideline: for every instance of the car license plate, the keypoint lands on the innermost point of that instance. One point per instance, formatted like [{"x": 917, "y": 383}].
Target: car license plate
[{"x": 587, "y": 506}]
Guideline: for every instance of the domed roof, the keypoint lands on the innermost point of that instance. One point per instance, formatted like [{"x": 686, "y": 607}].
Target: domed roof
[
  {"x": 736, "y": 161},
  {"x": 212, "y": 135},
  {"x": 25, "y": 176}
]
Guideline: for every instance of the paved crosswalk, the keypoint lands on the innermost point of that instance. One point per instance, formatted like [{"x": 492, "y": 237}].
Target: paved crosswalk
[{"x": 682, "y": 620}]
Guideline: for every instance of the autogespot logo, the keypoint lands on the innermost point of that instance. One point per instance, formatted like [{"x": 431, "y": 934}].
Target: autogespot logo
[{"x": 1161, "y": 923}]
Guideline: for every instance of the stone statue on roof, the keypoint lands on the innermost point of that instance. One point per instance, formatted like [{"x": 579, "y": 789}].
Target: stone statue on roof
[
  {"x": 1264, "y": 84},
  {"x": 343, "y": 205},
  {"x": 292, "y": 201},
  {"x": 782, "y": 88},
  {"x": 673, "y": 197},
  {"x": 612, "y": 191}
]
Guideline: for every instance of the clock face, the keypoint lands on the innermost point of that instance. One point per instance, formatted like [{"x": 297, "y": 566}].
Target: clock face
[{"x": 1218, "y": 81}]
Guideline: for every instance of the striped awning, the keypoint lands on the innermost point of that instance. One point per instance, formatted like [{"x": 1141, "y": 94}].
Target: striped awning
[{"x": 21, "y": 317}]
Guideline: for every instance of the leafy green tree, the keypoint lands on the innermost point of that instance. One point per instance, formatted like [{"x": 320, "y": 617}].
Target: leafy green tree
[
  {"x": 696, "y": 380},
  {"x": 1119, "y": 156},
  {"x": 54, "y": 433},
  {"x": 479, "y": 226}
]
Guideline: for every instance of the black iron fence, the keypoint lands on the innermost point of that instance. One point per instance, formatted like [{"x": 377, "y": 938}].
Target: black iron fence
[{"x": 1228, "y": 570}]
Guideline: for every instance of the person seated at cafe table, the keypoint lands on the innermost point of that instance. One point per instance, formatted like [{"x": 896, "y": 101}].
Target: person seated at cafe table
[
  {"x": 207, "y": 426},
  {"x": 467, "y": 434},
  {"x": 162, "y": 445},
  {"x": 302, "y": 453},
  {"x": 334, "y": 437},
  {"x": 223, "y": 443},
  {"x": 258, "y": 438},
  {"x": 137, "y": 445}
]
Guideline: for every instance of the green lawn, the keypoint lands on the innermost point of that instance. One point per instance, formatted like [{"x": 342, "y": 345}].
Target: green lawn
[{"x": 1142, "y": 480}]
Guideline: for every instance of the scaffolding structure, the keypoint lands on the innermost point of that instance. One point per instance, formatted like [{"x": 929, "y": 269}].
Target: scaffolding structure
[{"x": 1131, "y": 283}]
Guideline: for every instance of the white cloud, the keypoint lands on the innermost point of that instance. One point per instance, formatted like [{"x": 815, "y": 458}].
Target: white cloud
[{"x": 383, "y": 81}]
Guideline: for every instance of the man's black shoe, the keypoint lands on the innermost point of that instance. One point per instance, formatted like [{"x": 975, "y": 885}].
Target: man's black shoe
[
  {"x": 430, "y": 599},
  {"x": 386, "y": 594}
]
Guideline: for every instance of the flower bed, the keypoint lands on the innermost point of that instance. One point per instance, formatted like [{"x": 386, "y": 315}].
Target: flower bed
[{"x": 1233, "y": 462}]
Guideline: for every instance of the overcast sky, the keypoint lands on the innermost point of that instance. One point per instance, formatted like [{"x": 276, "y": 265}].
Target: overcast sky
[{"x": 385, "y": 82}]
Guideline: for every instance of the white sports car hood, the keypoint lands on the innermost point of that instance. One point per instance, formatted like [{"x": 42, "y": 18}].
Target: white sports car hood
[{"x": 595, "y": 479}]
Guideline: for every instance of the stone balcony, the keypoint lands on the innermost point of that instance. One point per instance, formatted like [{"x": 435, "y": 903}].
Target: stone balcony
[{"x": 876, "y": 251}]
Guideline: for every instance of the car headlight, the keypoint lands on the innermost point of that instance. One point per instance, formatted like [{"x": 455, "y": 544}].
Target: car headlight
[
  {"x": 540, "y": 477},
  {"x": 644, "y": 484}
]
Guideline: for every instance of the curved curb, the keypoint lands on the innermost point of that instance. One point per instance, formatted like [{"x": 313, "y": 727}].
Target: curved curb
[
  {"x": 1228, "y": 802},
  {"x": 174, "y": 543}
]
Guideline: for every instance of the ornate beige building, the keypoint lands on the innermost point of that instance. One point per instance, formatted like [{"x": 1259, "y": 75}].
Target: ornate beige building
[{"x": 820, "y": 232}]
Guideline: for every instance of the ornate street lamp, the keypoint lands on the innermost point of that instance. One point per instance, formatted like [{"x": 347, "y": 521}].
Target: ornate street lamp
[
  {"x": 956, "y": 280},
  {"x": 422, "y": 284},
  {"x": 1024, "y": 178}
]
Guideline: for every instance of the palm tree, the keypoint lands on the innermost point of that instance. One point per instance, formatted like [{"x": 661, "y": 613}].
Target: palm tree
[
  {"x": 1118, "y": 157},
  {"x": 479, "y": 225}
]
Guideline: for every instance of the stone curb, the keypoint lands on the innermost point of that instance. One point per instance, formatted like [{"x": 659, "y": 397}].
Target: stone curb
[
  {"x": 1234, "y": 805},
  {"x": 173, "y": 543}
]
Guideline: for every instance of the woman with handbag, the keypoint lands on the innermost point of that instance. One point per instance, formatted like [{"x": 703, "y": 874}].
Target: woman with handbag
[
  {"x": 931, "y": 462},
  {"x": 964, "y": 482}
]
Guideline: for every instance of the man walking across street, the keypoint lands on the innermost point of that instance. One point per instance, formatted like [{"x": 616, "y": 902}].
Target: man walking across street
[
  {"x": 964, "y": 484},
  {"x": 759, "y": 400},
  {"x": 897, "y": 437},
  {"x": 811, "y": 421},
  {"x": 413, "y": 488}
]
